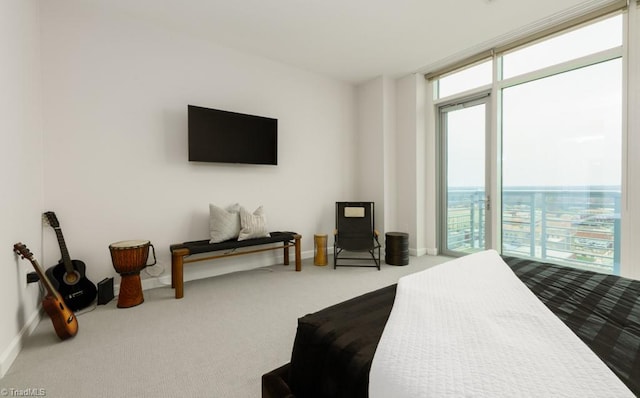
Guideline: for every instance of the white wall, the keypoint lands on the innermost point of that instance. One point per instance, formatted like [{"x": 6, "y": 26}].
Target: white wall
[
  {"x": 395, "y": 158},
  {"x": 411, "y": 155},
  {"x": 20, "y": 169},
  {"x": 116, "y": 93},
  {"x": 369, "y": 151},
  {"x": 93, "y": 119},
  {"x": 376, "y": 150},
  {"x": 392, "y": 179}
]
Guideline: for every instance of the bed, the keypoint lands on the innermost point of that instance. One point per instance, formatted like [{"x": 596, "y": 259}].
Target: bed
[{"x": 334, "y": 348}]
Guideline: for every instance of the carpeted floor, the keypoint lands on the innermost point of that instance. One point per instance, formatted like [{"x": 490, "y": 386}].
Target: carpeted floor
[{"x": 215, "y": 342}]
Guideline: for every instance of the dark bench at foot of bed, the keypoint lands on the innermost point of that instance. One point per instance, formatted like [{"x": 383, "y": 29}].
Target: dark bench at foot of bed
[
  {"x": 275, "y": 384},
  {"x": 180, "y": 253}
]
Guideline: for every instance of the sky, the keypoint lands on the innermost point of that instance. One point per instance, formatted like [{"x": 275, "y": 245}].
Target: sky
[{"x": 563, "y": 130}]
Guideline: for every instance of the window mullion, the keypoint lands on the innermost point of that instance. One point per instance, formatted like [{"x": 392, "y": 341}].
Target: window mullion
[
  {"x": 479, "y": 91},
  {"x": 581, "y": 62}
]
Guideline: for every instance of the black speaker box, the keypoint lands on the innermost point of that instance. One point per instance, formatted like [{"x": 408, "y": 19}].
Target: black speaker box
[{"x": 105, "y": 291}]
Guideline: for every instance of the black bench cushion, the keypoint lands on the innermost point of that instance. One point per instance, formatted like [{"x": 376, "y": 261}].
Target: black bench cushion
[{"x": 203, "y": 246}]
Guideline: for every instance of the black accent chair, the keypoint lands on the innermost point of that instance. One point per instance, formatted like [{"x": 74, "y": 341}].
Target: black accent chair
[{"x": 355, "y": 233}]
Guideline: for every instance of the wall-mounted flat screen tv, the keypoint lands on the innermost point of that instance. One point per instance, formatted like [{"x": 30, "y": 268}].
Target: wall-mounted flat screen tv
[{"x": 230, "y": 137}]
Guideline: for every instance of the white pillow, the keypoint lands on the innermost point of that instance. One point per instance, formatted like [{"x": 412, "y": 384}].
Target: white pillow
[
  {"x": 252, "y": 225},
  {"x": 224, "y": 224}
]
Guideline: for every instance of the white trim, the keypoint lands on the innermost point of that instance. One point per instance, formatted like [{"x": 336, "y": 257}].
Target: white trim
[
  {"x": 432, "y": 251},
  {"x": 494, "y": 162},
  {"x": 463, "y": 94},
  {"x": 630, "y": 217},
  {"x": 418, "y": 252},
  {"x": 11, "y": 353}
]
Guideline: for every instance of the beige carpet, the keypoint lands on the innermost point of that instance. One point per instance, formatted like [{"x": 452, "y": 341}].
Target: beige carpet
[{"x": 215, "y": 342}]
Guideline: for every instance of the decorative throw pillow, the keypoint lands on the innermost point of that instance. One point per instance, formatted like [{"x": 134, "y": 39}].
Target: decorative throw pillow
[
  {"x": 224, "y": 224},
  {"x": 252, "y": 225}
]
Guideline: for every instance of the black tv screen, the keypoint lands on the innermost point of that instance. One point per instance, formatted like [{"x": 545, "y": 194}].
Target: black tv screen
[{"x": 230, "y": 137}]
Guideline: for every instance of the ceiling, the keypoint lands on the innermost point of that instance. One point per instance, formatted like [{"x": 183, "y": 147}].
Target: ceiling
[{"x": 349, "y": 40}]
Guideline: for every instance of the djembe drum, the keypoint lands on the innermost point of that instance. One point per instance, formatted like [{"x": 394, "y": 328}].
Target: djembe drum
[{"x": 129, "y": 257}]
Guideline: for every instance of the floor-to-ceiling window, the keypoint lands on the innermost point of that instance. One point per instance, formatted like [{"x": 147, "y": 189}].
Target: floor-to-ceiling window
[{"x": 557, "y": 148}]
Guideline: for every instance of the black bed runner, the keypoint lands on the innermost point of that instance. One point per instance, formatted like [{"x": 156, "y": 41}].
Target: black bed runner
[{"x": 602, "y": 310}]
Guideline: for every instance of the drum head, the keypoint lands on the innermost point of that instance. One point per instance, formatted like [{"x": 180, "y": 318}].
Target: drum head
[{"x": 129, "y": 244}]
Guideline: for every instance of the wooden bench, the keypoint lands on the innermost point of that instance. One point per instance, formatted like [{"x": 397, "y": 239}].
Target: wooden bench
[{"x": 181, "y": 253}]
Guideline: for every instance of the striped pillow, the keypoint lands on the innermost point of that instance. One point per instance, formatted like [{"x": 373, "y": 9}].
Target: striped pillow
[{"x": 252, "y": 225}]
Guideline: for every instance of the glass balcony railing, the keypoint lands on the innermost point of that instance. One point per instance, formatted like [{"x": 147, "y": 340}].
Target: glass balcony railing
[{"x": 574, "y": 227}]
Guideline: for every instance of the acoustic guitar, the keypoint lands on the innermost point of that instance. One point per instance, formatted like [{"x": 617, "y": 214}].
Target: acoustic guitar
[
  {"x": 63, "y": 319},
  {"x": 68, "y": 276}
]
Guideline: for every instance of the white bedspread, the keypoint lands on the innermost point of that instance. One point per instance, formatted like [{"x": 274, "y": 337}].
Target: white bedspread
[{"x": 471, "y": 328}]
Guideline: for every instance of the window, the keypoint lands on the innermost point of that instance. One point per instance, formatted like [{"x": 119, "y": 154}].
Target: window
[
  {"x": 465, "y": 79},
  {"x": 558, "y": 142},
  {"x": 561, "y": 156},
  {"x": 587, "y": 40}
]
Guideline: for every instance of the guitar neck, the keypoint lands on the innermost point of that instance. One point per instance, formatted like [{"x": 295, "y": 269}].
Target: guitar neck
[
  {"x": 43, "y": 277},
  {"x": 66, "y": 258}
]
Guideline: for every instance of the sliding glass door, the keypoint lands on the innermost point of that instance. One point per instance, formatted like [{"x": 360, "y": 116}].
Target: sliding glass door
[{"x": 463, "y": 134}]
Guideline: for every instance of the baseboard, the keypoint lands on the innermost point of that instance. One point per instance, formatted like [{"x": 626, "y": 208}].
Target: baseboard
[
  {"x": 432, "y": 251},
  {"x": 310, "y": 254},
  {"x": 12, "y": 351},
  {"x": 418, "y": 252},
  {"x": 152, "y": 282}
]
